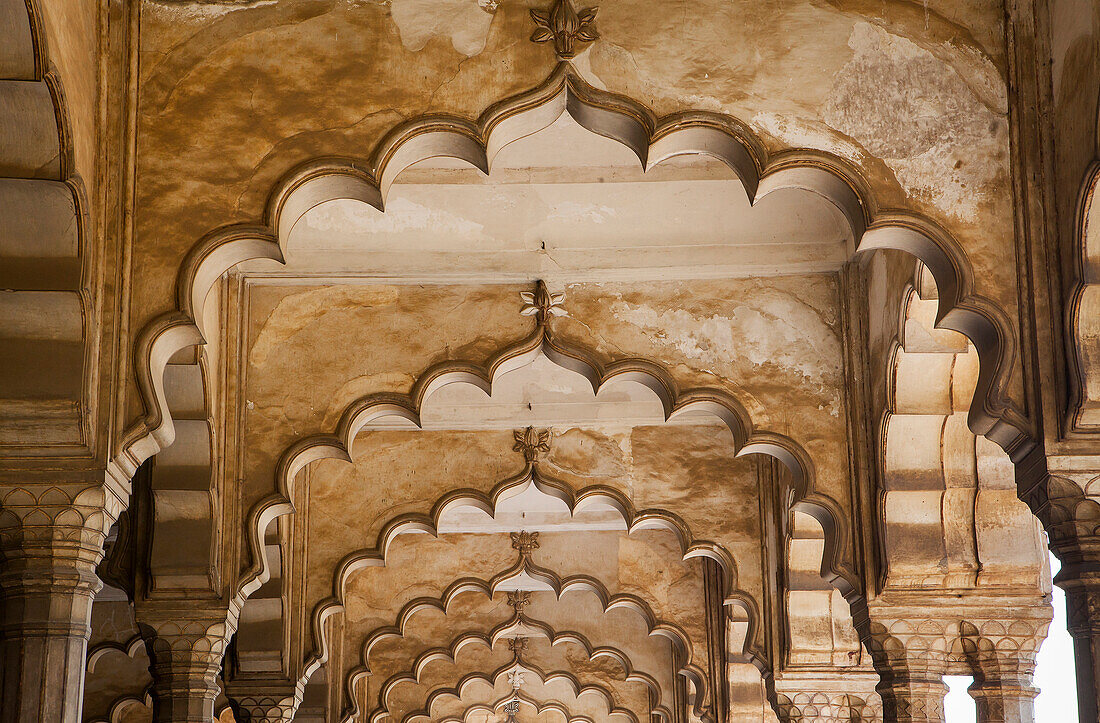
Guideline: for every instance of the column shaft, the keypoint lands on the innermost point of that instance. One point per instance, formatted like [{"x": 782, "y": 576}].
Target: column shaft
[
  {"x": 913, "y": 697},
  {"x": 1083, "y": 617},
  {"x": 1008, "y": 700}
]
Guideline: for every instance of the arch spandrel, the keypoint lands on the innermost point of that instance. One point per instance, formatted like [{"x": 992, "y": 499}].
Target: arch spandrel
[
  {"x": 458, "y": 460},
  {"x": 382, "y": 349},
  {"x": 734, "y": 351}
]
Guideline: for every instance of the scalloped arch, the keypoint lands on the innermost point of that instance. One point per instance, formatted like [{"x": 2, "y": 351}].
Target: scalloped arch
[
  {"x": 359, "y": 414},
  {"x": 1080, "y": 311},
  {"x": 471, "y": 637},
  {"x": 131, "y": 648},
  {"x": 652, "y": 140},
  {"x": 539, "y": 709},
  {"x": 459, "y": 690},
  {"x": 656, "y": 627},
  {"x": 124, "y": 703},
  {"x": 544, "y": 676}
]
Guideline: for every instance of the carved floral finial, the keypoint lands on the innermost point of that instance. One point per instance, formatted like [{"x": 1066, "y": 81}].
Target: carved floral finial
[
  {"x": 524, "y": 541},
  {"x": 519, "y": 647},
  {"x": 541, "y": 304},
  {"x": 518, "y": 599},
  {"x": 532, "y": 443},
  {"x": 565, "y": 26},
  {"x": 515, "y": 677}
]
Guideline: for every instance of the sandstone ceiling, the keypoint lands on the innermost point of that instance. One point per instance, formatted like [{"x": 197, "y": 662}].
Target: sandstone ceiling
[{"x": 472, "y": 370}]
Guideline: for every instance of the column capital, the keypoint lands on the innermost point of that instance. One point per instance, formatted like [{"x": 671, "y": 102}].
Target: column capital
[
  {"x": 909, "y": 649},
  {"x": 265, "y": 701},
  {"x": 186, "y": 646},
  {"x": 52, "y": 533},
  {"x": 69, "y": 519},
  {"x": 827, "y": 695}
]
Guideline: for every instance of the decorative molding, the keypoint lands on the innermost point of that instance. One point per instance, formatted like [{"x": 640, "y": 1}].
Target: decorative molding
[
  {"x": 563, "y": 24},
  {"x": 457, "y": 692},
  {"x": 518, "y": 600},
  {"x": 268, "y": 706},
  {"x": 541, "y": 304},
  {"x": 526, "y": 542},
  {"x": 518, "y": 646},
  {"x": 532, "y": 443},
  {"x": 819, "y": 707}
]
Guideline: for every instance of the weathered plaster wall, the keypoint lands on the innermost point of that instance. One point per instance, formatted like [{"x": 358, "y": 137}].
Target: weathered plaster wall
[
  {"x": 913, "y": 95},
  {"x": 775, "y": 346}
]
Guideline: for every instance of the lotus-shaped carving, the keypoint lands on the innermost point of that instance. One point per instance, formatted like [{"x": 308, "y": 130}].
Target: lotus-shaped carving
[{"x": 565, "y": 26}]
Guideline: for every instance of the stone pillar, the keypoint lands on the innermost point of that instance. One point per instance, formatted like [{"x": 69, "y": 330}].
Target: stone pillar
[
  {"x": 1083, "y": 621},
  {"x": 51, "y": 539},
  {"x": 186, "y": 647},
  {"x": 1002, "y": 659},
  {"x": 912, "y": 692},
  {"x": 1005, "y": 699},
  {"x": 1069, "y": 507},
  {"x": 910, "y": 656}
]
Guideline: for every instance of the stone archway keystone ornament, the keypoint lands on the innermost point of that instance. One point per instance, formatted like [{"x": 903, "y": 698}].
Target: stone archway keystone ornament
[{"x": 566, "y": 26}]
